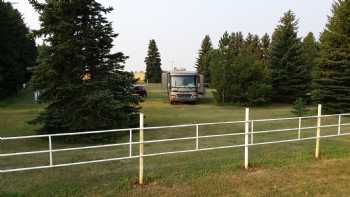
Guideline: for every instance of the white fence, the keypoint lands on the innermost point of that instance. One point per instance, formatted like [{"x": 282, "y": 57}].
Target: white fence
[{"x": 248, "y": 136}]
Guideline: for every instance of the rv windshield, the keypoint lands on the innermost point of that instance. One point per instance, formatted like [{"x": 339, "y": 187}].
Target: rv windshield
[{"x": 183, "y": 81}]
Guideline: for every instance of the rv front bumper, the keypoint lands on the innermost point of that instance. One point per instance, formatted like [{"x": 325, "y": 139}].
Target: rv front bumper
[{"x": 183, "y": 98}]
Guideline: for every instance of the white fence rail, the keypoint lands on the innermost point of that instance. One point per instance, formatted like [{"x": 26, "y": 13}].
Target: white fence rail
[{"x": 248, "y": 136}]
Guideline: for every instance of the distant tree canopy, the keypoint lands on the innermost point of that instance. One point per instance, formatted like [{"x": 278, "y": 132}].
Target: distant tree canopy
[
  {"x": 237, "y": 73},
  {"x": 290, "y": 74},
  {"x": 82, "y": 81},
  {"x": 17, "y": 51},
  {"x": 333, "y": 80},
  {"x": 203, "y": 60},
  {"x": 153, "y": 63}
]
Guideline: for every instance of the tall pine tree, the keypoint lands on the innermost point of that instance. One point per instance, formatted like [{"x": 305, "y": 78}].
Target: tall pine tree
[
  {"x": 219, "y": 67},
  {"x": 265, "y": 47},
  {"x": 333, "y": 82},
  {"x": 253, "y": 45},
  {"x": 203, "y": 60},
  {"x": 153, "y": 63},
  {"x": 311, "y": 51},
  {"x": 290, "y": 76},
  {"x": 82, "y": 81},
  {"x": 17, "y": 50},
  {"x": 237, "y": 43}
]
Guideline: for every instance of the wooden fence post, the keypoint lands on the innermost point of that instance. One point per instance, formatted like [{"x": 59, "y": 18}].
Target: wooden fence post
[
  {"x": 246, "y": 141},
  {"x": 141, "y": 150},
  {"x": 318, "y": 131}
]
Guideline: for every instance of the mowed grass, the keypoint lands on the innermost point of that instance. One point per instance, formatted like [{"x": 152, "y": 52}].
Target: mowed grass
[{"x": 276, "y": 170}]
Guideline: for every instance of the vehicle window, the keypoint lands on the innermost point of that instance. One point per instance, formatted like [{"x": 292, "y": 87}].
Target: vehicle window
[{"x": 183, "y": 81}]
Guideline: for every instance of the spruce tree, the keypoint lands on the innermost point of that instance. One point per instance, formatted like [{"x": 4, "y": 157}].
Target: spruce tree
[
  {"x": 310, "y": 50},
  {"x": 153, "y": 63},
  {"x": 333, "y": 82},
  {"x": 203, "y": 59},
  {"x": 17, "y": 50},
  {"x": 265, "y": 47},
  {"x": 82, "y": 81},
  {"x": 290, "y": 76},
  {"x": 299, "y": 108}
]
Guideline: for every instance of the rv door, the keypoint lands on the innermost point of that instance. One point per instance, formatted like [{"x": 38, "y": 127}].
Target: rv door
[{"x": 165, "y": 80}]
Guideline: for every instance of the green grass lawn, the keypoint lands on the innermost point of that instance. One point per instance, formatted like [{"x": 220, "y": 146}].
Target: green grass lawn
[{"x": 276, "y": 170}]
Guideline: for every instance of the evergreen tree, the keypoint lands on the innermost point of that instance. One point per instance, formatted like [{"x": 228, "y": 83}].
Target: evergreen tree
[
  {"x": 237, "y": 43},
  {"x": 290, "y": 76},
  {"x": 299, "y": 108},
  {"x": 265, "y": 47},
  {"x": 153, "y": 63},
  {"x": 82, "y": 81},
  {"x": 220, "y": 60},
  {"x": 310, "y": 50},
  {"x": 333, "y": 82},
  {"x": 247, "y": 82},
  {"x": 17, "y": 50},
  {"x": 253, "y": 45},
  {"x": 248, "y": 42},
  {"x": 237, "y": 73},
  {"x": 203, "y": 60},
  {"x": 257, "y": 47},
  {"x": 41, "y": 73}
]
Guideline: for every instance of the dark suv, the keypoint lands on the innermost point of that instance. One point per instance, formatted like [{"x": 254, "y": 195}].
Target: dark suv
[{"x": 140, "y": 90}]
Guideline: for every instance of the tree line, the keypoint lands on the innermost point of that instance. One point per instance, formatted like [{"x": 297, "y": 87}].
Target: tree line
[{"x": 283, "y": 67}]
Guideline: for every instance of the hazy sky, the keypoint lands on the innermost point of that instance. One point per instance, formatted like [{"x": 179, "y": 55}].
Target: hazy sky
[{"x": 179, "y": 26}]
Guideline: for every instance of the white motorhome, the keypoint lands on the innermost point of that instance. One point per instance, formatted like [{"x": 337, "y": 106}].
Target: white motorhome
[{"x": 183, "y": 86}]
